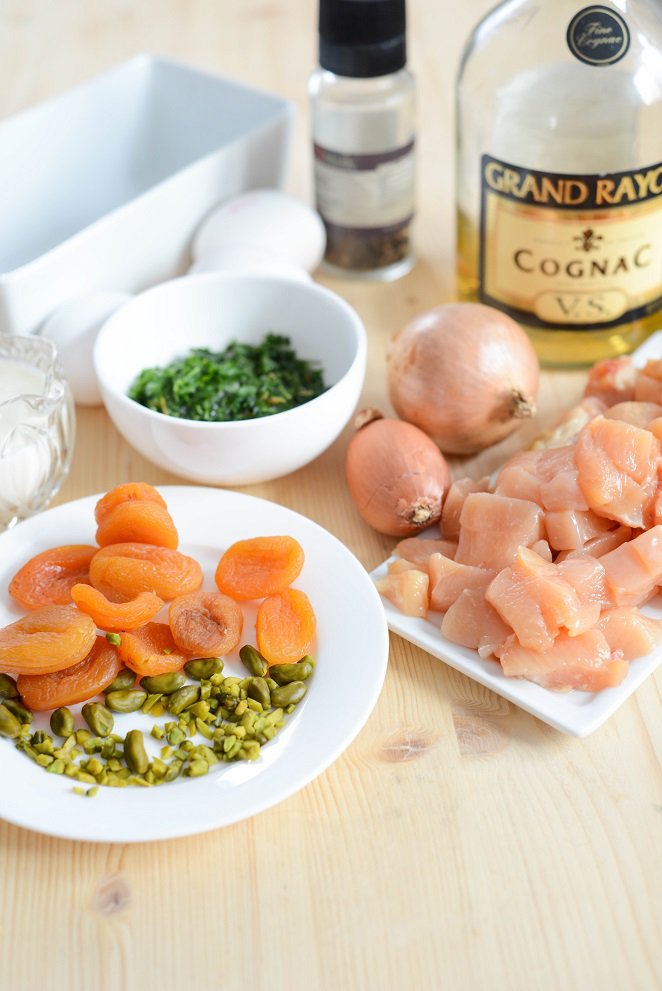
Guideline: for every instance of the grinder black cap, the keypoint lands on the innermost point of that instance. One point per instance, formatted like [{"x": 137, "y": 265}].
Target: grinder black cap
[{"x": 362, "y": 38}]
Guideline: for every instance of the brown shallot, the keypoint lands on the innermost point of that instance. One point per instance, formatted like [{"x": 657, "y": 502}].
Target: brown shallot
[
  {"x": 396, "y": 475},
  {"x": 464, "y": 373}
]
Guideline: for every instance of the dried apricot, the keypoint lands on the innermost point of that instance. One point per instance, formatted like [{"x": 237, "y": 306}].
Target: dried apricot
[
  {"x": 138, "y": 522},
  {"x": 76, "y": 684},
  {"x": 206, "y": 624},
  {"x": 128, "y": 492},
  {"x": 285, "y": 626},
  {"x": 47, "y": 578},
  {"x": 125, "y": 570},
  {"x": 50, "y": 638},
  {"x": 260, "y": 566},
  {"x": 151, "y": 650},
  {"x": 116, "y": 616}
]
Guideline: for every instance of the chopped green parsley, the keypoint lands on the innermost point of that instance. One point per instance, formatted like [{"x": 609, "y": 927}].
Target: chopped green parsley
[{"x": 243, "y": 382}]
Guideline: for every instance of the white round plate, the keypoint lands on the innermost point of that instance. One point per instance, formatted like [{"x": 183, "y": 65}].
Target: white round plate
[{"x": 351, "y": 655}]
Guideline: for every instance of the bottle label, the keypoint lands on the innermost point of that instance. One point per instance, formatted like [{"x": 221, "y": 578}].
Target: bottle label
[
  {"x": 374, "y": 191},
  {"x": 581, "y": 252},
  {"x": 598, "y": 35}
]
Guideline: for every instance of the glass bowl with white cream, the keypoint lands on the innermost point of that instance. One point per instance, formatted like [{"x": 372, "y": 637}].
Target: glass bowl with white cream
[{"x": 37, "y": 426}]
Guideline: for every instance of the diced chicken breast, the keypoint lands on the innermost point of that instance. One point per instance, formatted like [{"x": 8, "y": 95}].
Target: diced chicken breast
[
  {"x": 493, "y": 527},
  {"x": 587, "y": 576},
  {"x": 472, "y": 622},
  {"x": 567, "y": 428},
  {"x": 448, "y": 579},
  {"x": 634, "y": 570},
  {"x": 554, "y": 461},
  {"x": 418, "y": 550},
  {"x": 542, "y": 548},
  {"x": 518, "y": 483},
  {"x": 523, "y": 459},
  {"x": 539, "y": 599},
  {"x": 584, "y": 662},
  {"x": 407, "y": 590},
  {"x": 601, "y": 544},
  {"x": 617, "y": 470},
  {"x": 563, "y": 492},
  {"x": 401, "y": 564},
  {"x": 532, "y": 600},
  {"x": 648, "y": 382},
  {"x": 612, "y": 380},
  {"x": 655, "y": 427},
  {"x": 638, "y": 414},
  {"x": 454, "y": 501},
  {"x": 571, "y": 529},
  {"x": 629, "y": 633},
  {"x": 518, "y": 477}
]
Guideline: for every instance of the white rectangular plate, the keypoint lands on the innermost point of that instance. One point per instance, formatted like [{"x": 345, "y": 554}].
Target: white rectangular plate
[{"x": 577, "y": 713}]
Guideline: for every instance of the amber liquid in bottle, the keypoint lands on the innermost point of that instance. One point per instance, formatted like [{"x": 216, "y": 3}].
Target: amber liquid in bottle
[
  {"x": 559, "y": 173},
  {"x": 559, "y": 347}
]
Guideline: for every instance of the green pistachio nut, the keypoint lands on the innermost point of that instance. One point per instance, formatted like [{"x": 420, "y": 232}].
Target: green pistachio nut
[
  {"x": 163, "y": 684},
  {"x": 126, "y": 700},
  {"x": 98, "y": 718},
  {"x": 203, "y": 668},
  {"x": 288, "y": 694},
  {"x": 62, "y": 722},
  {"x": 135, "y": 754},
  {"x": 9, "y": 724},
  {"x": 125, "y": 679},
  {"x": 284, "y": 674},
  {"x": 258, "y": 690},
  {"x": 23, "y": 715},
  {"x": 183, "y": 698},
  {"x": 253, "y": 661},
  {"x": 8, "y": 689}
]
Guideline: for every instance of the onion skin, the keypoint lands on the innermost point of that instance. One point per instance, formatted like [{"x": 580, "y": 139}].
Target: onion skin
[
  {"x": 464, "y": 373},
  {"x": 396, "y": 475}
]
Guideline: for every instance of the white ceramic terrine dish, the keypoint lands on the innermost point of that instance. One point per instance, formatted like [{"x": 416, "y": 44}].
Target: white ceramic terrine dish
[{"x": 105, "y": 185}]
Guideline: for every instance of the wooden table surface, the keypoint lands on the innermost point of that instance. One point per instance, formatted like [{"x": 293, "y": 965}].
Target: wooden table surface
[{"x": 458, "y": 843}]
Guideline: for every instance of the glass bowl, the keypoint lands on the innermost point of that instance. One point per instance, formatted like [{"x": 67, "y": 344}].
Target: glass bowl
[{"x": 37, "y": 426}]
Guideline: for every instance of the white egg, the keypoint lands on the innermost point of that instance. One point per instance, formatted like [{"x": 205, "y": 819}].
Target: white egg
[
  {"x": 251, "y": 260},
  {"x": 267, "y": 220},
  {"x": 73, "y": 328}
]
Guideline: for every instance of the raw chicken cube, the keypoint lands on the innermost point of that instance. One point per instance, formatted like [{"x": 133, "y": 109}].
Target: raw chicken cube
[
  {"x": 566, "y": 429},
  {"x": 571, "y": 529},
  {"x": 472, "y": 622},
  {"x": 618, "y": 466},
  {"x": 584, "y": 662},
  {"x": 612, "y": 380},
  {"x": 418, "y": 550},
  {"x": 638, "y": 414},
  {"x": 493, "y": 527},
  {"x": 538, "y": 599},
  {"x": 601, "y": 544},
  {"x": 633, "y": 570},
  {"x": 453, "y": 503},
  {"x": 448, "y": 579},
  {"x": 518, "y": 478},
  {"x": 407, "y": 590},
  {"x": 648, "y": 382},
  {"x": 629, "y": 633}
]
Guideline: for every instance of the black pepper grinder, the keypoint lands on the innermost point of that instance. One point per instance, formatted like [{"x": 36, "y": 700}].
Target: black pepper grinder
[{"x": 363, "y": 123}]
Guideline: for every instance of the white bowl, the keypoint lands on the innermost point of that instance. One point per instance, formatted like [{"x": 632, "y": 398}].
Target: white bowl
[
  {"x": 210, "y": 310},
  {"x": 106, "y": 184}
]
